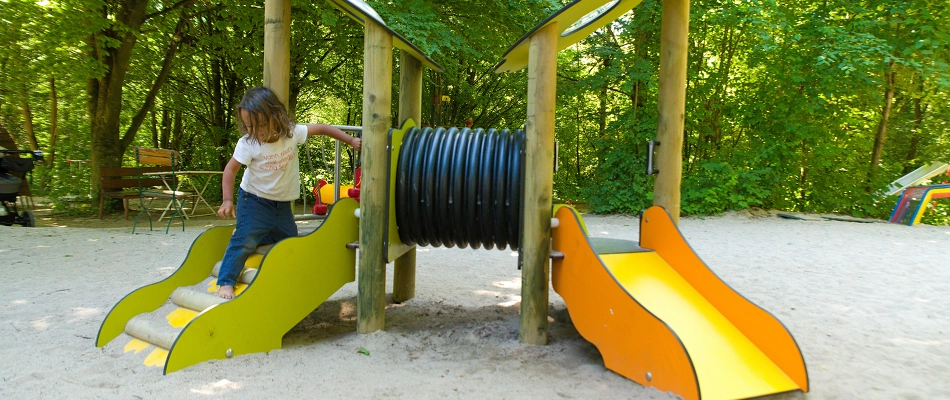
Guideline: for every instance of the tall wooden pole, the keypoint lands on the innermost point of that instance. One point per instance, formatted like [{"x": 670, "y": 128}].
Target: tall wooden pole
[
  {"x": 277, "y": 48},
  {"x": 539, "y": 184},
  {"x": 410, "y": 106},
  {"x": 672, "y": 105},
  {"x": 377, "y": 118}
]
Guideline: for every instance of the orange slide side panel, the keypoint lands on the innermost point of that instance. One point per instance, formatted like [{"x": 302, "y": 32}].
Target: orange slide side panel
[
  {"x": 727, "y": 364},
  {"x": 658, "y": 233},
  {"x": 605, "y": 314}
]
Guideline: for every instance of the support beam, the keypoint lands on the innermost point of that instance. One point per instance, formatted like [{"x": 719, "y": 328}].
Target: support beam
[
  {"x": 410, "y": 106},
  {"x": 277, "y": 48},
  {"x": 377, "y": 119},
  {"x": 539, "y": 184},
  {"x": 672, "y": 105},
  {"x": 410, "y": 88}
]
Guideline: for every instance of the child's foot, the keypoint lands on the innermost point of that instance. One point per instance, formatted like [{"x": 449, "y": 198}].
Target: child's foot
[{"x": 226, "y": 292}]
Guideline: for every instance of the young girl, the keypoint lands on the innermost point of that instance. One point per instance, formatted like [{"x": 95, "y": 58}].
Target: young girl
[{"x": 271, "y": 181}]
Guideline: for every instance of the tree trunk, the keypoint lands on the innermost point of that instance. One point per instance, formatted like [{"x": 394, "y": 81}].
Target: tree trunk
[
  {"x": 154, "y": 127},
  {"x": 602, "y": 111},
  {"x": 163, "y": 134},
  {"x": 226, "y": 89},
  {"x": 803, "y": 178},
  {"x": 919, "y": 110},
  {"x": 170, "y": 53},
  {"x": 6, "y": 138},
  {"x": 53, "y": 122},
  {"x": 105, "y": 92},
  {"x": 27, "y": 113},
  {"x": 602, "y": 106},
  {"x": 577, "y": 150},
  {"x": 23, "y": 94},
  {"x": 53, "y": 130},
  {"x": 881, "y": 127},
  {"x": 177, "y": 131}
]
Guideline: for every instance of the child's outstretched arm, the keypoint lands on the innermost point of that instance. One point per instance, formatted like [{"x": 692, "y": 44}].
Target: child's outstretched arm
[
  {"x": 227, "y": 189},
  {"x": 328, "y": 130}
]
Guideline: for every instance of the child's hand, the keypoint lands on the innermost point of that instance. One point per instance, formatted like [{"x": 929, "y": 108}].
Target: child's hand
[
  {"x": 227, "y": 209},
  {"x": 357, "y": 143}
]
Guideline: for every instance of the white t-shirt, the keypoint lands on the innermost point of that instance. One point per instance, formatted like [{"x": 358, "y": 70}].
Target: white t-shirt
[{"x": 273, "y": 171}]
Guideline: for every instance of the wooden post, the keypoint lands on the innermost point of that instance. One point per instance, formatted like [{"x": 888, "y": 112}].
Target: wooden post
[
  {"x": 277, "y": 48},
  {"x": 410, "y": 106},
  {"x": 539, "y": 183},
  {"x": 377, "y": 119},
  {"x": 672, "y": 105}
]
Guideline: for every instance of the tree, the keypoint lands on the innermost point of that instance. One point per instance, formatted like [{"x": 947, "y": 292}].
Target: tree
[{"x": 116, "y": 29}]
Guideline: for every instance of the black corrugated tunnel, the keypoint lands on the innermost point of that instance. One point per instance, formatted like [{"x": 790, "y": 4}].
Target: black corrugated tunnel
[{"x": 460, "y": 187}]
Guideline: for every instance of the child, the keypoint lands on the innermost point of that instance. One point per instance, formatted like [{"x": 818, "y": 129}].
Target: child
[{"x": 271, "y": 181}]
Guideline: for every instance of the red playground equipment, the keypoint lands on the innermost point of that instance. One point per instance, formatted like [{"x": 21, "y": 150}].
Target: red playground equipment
[
  {"x": 320, "y": 207},
  {"x": 354, "y": 191}
]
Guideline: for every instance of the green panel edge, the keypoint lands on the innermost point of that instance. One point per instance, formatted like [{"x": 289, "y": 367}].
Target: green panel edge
[
  {"x": 207, "y": 249},
  {"x": 296, "y": 276},
  {"x": 396, "y": 247}
]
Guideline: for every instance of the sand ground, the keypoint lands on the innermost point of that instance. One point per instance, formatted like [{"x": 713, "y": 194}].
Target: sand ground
[{"x": 868, "y": 303}]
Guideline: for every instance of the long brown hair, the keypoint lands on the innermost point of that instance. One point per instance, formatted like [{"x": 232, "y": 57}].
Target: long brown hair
[{"x": 266, "y": 112}]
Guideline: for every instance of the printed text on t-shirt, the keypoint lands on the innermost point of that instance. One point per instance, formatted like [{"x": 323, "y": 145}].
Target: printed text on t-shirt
[{"x": 278, "y": 162}]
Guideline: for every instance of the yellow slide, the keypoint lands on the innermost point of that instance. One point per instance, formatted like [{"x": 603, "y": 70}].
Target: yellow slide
[
  {"x": 293, "y": 278},
  {"x": 661, "y": 317}
]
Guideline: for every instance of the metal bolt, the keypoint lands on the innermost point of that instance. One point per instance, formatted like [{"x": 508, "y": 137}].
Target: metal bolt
[
  {"x": 649, "y": 376},
  {"x": 230, "y": 353}
]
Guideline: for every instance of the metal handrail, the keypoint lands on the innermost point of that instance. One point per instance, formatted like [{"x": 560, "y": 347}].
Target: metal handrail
[
  {"x": 336, "y": 168},
  {"x": 349, "y": 128}
]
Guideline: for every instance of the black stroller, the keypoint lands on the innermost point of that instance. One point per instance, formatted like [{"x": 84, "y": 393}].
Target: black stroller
[{"x": 10, "y": 185}]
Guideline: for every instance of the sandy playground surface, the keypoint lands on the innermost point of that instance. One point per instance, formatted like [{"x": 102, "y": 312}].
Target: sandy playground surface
[{"x": 869, "y": 304}]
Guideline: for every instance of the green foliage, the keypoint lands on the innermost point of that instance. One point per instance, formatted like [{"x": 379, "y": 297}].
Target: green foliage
[
  {"x": 938, "y": 214},
  {"x": 71, "y": 193},
  {"x": 468, "y": 45},
  {"x": 783, "y": 105},
  {"x": 784, "y": 100},
  {"x": 719, "y": 186}
]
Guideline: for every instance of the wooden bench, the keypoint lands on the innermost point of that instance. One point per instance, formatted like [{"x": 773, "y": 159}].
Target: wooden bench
[{"x": 123, "y": 183}]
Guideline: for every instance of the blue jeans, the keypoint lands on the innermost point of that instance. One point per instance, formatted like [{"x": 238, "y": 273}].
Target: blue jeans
[{"x": 259, "y": 222}]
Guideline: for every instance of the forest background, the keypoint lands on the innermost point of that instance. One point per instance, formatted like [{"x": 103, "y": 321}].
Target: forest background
[{"x": 798, "y": 106}]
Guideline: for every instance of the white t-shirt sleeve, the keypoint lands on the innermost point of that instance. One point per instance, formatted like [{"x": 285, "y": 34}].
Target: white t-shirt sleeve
[
  {"x": 300, "y": 134},
  {"x": 242, "y": 151}
]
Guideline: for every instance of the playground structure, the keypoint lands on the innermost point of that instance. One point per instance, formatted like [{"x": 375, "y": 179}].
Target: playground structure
[
  {"x": 918, "y": 176},
  {"x": 198, "y": 326},
  {"x": 912, "y": 203},
  {"x": 324, "y": 192},
  {"x": 915, "y": 197},
  {"x": 659, "y": 316},
  {"x": 699, "y": 340}
]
